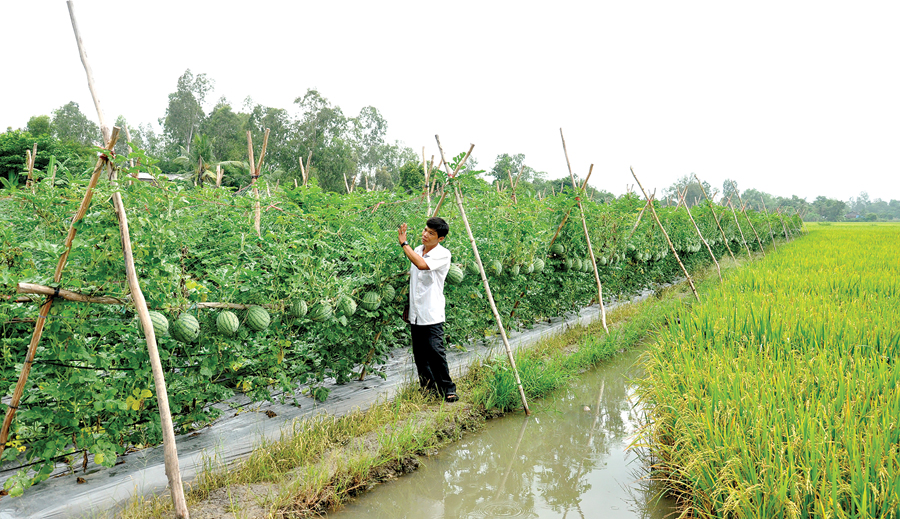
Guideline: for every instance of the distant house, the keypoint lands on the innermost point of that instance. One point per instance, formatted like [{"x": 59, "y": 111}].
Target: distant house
[{"x": 852, "y": 216}]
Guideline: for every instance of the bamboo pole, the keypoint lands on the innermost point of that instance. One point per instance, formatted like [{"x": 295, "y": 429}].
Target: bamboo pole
[
  {"x": 712, "y": 208},
  {"x": 587, "y": 235},
  {"x": 512, "y": 187},
  {"x": 736, "y": 222},
  {"x": 170, "y": 453},
  {"x": 68, "y": 295},
  {"x": 487, "y": 286},
  {"x": 769, "y": 223},
  {"x": 697, "y": 228},
  {"x": 752, "y": 227},
  {"x": 427, "y": 184},
  {"x": 566, "y": 217},
  {"x": 45, "y": 308},
  {"x": 641, "y": 213},
  {"x": 668, "y": 240},
  {"x": 516, "y": 184},
  {"x": 787, "y": 235}
]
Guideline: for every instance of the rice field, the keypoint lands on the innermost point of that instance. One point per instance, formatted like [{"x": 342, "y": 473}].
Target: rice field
[{"x": 779, "y": 394}]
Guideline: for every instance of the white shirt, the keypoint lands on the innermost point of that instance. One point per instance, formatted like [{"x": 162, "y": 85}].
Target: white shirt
[{"x": 426, "y": 287}]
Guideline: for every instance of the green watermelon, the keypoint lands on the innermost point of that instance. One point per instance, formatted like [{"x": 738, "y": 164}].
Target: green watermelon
[
  {"x": 496, "y": 267},
  {"x": 346, "y": 305},
  {"x": 227, "y": 323},
  {"x": 514, "y": 270},
  {"x": 602, "y": 260},
  {"x": 258, "y": 318},
  {"x": 186, "y": 329},
  {"x": 371, "y": 301},
  {"x": 567, "y": 264},
  {"x": 586, "y": 265},
  {"x": 299, "y": 308},
  {"x": 472, "y": 267},
  {"x": 455, "y": 275},
  {"x": 576, "y": 264},
  {"x": 558, "y": 248},
  {"x": 160, "y": 324},
  {"x": 529, "y": 268},
  {"x": 538, "y": 265},
  {"x": 320, "y": 312},
  {"x": 388, "y": 293}
]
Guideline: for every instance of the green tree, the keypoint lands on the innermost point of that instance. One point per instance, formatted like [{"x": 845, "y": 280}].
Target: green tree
[
  {"x": 14, "y": 143},
  {"x": 70, "y": 124},
  {"x": 828, "y": 208},
  {"x": 185, "y": 110},
  {"x": 227, "y": 131},
  {"x": 694, "y": 192},
  {"x": 729, "y": 190},
  {"x": 412, "y": 177},
  {"x": 39, "y": 125},
  {"x": 200, "y": 163},
  {"x": 755, "y": 199}
]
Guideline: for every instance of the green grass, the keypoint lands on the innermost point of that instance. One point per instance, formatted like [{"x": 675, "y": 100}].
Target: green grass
[{"x": 779, "y": 395}]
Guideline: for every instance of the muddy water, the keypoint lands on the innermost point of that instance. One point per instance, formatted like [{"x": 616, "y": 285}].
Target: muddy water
[{"x": 569, "y": 459}]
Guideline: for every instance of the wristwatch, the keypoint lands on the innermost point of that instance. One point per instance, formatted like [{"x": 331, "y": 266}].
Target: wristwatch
[{"x": 404, "y": 244}]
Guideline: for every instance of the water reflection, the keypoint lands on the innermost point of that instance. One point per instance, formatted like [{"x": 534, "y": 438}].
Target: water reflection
[{"x": 567, "y": 460}]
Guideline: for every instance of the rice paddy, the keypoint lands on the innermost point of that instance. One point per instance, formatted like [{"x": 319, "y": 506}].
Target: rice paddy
[{"x": 779, "y": 394}]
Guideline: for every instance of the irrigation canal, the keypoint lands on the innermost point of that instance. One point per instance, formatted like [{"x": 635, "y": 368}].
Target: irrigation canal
[{"x": 569, "y": 459}]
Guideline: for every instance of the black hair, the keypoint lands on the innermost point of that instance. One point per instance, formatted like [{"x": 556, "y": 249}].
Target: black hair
[{"x": 439, "y": 225}]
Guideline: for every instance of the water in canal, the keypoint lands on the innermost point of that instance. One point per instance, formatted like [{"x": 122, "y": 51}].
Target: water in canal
[{"x": 569, "y": 459}]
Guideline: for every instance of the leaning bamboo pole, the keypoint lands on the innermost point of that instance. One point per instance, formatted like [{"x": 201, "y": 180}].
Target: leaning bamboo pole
[
  {"x": 641, "y": 213},
  {"x": 769, "y": 223},
  {"x": 587, "y": 235},
  {"x": 668, "y": 240},
  {"x": 697, "y": 228},
  {"x": 173, "y": 473},
  {"x": 787, "y": 235},
  {"x": 45, "y": 308},
  {"x": 254, "y": 176},
  {"x": 736, "y": 222},
  {"x": 427, "y": 184},
  {"x": 752, "y": 227},
  {"x": 487, "y": 286},
  {"x": 712, "y": 209}
]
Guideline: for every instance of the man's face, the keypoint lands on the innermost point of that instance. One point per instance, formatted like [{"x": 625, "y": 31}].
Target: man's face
[{"x": 430, "y": 238}]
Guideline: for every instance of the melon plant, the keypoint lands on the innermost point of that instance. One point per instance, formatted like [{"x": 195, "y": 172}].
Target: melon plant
[
  {"x": 346, "y": 305},
  {"x": 258, "y": 318},
  {"x": 538, "y": 265},
  {"x": 455, "y": 275},
  {"x": 321, "y": 312},
  {"x": 160, "y": 324},
  {"x": 371, "y": 301},
  {"x": 388, "y": 293},
  {"x": 186, "y": 329},
  {"x": 227, "y": 323},
  {"x": 496, "y": 267},
  {"x": 299, "y": 308}
]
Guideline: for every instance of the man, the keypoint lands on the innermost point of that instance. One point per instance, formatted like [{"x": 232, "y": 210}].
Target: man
[{"x": 427, "y": 273}]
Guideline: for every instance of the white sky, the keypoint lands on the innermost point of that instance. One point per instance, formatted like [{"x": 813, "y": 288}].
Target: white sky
[{"x": 786, "y": 97}]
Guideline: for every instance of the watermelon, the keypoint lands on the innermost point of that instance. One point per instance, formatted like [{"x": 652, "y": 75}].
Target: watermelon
[
  {"x": 472, "y": 267},
  {"x": 558, "y": 249},
  {"x": 538, "y": 265},
  {"x": 371, "y": 301},
  {"x": 227, "y": 323},
  {"x": 160, "y": 324},
  {"x": 631, "y": 247},
  {"x": 576, "y": 264},
  {"x": 496, "y": 267},
  {"x": 529, "y": 268},
  {"x": 586, "y": 265},
  {"x": 320, "y": 312},
  {"x": 299, "y": 308},
  {"x": 567, "y": 264},
  {"x": 455, "y": 275},
  {"x": 186, "y": 329},
  {"x": 388, "y": 293},
  {"x": 514, "y": 270},
  {"x": 346, "y": 305},
  {"x": 602, "y": 260},
  {"x": 258, "y": 318}
]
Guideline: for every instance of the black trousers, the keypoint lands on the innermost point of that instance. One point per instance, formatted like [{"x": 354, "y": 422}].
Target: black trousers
[{"x": 431, "y": 359}]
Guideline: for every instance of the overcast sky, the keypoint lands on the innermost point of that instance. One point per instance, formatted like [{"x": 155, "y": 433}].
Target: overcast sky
[{"x": 786, "y": 97}]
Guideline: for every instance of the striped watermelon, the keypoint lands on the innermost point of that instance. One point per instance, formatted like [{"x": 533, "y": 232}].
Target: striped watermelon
[
  {"x": 455, "y": 275},
  {"x": 320, "y": 312},
  {"x": 160, "y": 324},
  {"x": 558, "y": 248},
  {"x": 538, "y": 265},
  {"x": 496, "y": 267},
  {"x": 227, "y": 323},
  {"x": 602, "y": 260},
  {"x": 371, "y": 301},
  {"x": 299, "y": 308},
  {"x": 258, "y": 318},
  {"x": 388, "y": 293},
  {"x": 346, "y": 305},
  {"x": 529, "y": 268},
  {"x": 186, "y": 329},
  {"x": 472, "y": 267},
  {"x": 576, "y": 264},
  {"x": 514, "y": 270}
]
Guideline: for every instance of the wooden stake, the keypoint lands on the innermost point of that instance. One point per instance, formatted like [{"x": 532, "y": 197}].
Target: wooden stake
[
  {"x": 427, "y": 183},
  {"x": 736, "y": 222},
  {"x": 566, "y": 217},
  {"x": 712, "y": 208},
  {"x": 487, "y": 286},
  {"x": 104, "y": 129},
  {"x": 787, "y": 235},
  {"x": 512, "y": 187},
  {"x": 697, "y": 228},
  {"x": 744, "y": 210},
  {"x": 68, "y": 295},
  {"x": 669, "y": 241},
  {"x": 641, "y": 214},
  {"x": 587, "y": 235},
  {"x": 771, "y": 234}
]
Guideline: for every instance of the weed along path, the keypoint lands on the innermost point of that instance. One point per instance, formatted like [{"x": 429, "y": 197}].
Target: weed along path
[{"x": 98, "y": 491}]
